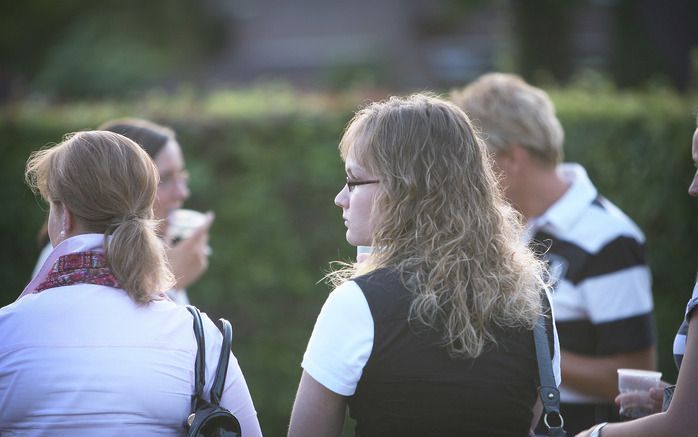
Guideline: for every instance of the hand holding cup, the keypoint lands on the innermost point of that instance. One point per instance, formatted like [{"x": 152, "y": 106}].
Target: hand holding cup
[
  {"x": 189, "y": 252},
  {"x": 640, "y": 392}
]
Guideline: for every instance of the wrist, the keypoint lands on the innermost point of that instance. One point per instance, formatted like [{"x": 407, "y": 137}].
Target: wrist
[{"x": 596, "y": 431}]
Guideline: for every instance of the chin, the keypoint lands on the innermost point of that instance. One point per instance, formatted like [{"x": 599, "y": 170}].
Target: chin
[{"x": 351, "y": 239}]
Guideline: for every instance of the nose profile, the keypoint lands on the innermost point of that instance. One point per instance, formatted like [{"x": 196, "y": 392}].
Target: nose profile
[
  {"x": 693, "y": 188},
  {"x": 182, "y": 190},
  {"x": 342, "y": 199}
]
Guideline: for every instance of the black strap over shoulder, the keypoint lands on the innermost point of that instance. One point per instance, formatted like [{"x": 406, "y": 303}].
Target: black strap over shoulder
[
  {"x": 549, "y": 394},
  {"x": 200, "y": 364},
  {"x": 219, "y": 380},
  {"x": 208, "y": 418}
]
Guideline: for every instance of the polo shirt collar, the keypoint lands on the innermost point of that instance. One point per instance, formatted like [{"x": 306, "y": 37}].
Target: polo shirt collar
[{"x": 564, "y": 213}]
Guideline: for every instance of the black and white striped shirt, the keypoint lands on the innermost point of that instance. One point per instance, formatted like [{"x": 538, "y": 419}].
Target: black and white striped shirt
[
  {"x": 680, "y": 339},
  {"x": 596, "y": 254}
]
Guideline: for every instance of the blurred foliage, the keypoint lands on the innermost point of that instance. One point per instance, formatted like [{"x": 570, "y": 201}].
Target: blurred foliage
[
  {"x": 82, "y": 48},
  {"x": 630, "y": 39},
  {"x": 653, "y": 41},
  {"x": 537, "y": 53},
  {"x": 77, "y": 49},
  {"x": 265, "y": 160}
]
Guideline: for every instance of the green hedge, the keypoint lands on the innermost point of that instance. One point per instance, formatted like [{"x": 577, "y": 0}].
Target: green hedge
[{"x": 265, "y": 160}]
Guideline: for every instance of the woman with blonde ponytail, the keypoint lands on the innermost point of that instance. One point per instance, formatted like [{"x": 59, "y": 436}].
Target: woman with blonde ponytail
[
  {"x": 431, "y": 334},
  {"x": 93, "y": 346},
  {"x": 188, "y": 257}
]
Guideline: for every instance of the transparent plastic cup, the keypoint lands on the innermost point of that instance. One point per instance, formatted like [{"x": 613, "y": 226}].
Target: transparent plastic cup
[
  {"x": 363, "y": 249},
  {"x": 636, "y": 381},
  {"x": 363, "y": 252}
]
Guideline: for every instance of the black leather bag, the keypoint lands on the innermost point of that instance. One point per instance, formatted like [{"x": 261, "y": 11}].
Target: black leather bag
[{"x": 208, "y": 418}]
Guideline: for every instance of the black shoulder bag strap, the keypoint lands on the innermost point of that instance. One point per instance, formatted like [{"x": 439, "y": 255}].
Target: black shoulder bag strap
[
  {"x": 549, "y": 394},
  {"x": 222, "y": 369},
  {"x": 200, "y": 364}
]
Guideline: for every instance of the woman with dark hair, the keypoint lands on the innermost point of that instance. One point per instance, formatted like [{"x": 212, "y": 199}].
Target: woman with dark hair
[
  {"x": 93, "y": 347},
  {"x": 431, "y": 334},
  {"x": 188, "y": 258}
]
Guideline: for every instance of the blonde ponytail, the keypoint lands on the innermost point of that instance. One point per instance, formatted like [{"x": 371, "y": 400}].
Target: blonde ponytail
[{"x": 135, "y": 255}]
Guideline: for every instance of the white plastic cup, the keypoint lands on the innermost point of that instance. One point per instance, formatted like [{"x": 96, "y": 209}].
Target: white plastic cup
[
  {"x": 362, "y": 253},
  {"x": 181, "y": 223},
  {"x": 363, "y": 249},
  {"x": 633, "y": 381}
]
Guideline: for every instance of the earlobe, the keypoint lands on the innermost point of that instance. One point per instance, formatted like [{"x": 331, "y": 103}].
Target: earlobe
[
  {"x": 516, "y": 156},
  {"x": 68, "y": 220},
  {"x": 502, "y": 161}
]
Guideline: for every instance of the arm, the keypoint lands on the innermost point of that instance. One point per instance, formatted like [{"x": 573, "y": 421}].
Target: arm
[
  {"x": 681, "y": 418},
  {"x": 317, "y": 411},
  {"x": 337, "y": 352},
  {"x": 597, "y": 375}
]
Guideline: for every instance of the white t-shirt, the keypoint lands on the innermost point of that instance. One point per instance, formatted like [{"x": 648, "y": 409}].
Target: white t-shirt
[
  {"x": 342, "y": 340},
  {"x": 86, "y": 360}
]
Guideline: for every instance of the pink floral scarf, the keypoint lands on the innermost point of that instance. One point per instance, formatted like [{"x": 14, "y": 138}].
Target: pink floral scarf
[
  {"x": 76, "y": 260},
  {"x": 76, "y": 244},
  {"x": 88, "y": 267}
]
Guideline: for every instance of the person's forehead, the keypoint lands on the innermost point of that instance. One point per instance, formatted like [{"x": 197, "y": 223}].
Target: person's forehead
[
  {"x": 351, "y": 166},
  {"x": 169, "y": 158}
]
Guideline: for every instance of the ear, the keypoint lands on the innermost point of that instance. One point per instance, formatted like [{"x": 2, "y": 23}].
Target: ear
[
  {"x": 68, "y": 220},
  {"x": 517, "y": 158},
  {"x": 505, "y": 161}
]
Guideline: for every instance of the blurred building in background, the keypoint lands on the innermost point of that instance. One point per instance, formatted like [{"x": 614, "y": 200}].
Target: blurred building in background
[
  {"x": 82, "y": 49},
  {"x": 403, "y": 43}
]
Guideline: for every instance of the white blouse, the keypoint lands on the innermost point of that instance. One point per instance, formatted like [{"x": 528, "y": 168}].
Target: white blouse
[{"x": 86, "y": 360}]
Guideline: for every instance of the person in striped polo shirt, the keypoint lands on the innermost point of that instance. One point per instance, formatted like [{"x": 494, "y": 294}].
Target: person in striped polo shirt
[
  {"x": 596, "y": 254},
  {"x": 676, "y": 409}
]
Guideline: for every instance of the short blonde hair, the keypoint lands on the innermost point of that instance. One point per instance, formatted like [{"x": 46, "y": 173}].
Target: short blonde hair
[
  {"x": 507, "y": 110},
  {"x": 109, "y": 183},
  {"x": 442, "y": 223}
]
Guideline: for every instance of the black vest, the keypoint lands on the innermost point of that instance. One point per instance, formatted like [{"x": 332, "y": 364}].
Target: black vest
[{"x": 411, "y": 386}]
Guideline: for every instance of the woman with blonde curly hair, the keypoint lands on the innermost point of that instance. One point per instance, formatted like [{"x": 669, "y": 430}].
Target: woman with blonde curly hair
[{"x": 431, "y": 334}]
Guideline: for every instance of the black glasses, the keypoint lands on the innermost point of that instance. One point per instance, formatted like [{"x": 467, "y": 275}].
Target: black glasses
[
  {"x": 352, "y": 184},
  {"x": 168, "y": 180}
]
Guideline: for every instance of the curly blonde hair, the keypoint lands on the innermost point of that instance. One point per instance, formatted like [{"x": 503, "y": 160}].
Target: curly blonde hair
[{"x": 441, "y": 222}]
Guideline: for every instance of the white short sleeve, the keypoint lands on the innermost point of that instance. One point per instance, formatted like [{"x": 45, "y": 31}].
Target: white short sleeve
[
  {"x": 342, "y": 340},
  {"x": 556, "y": 342}
]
